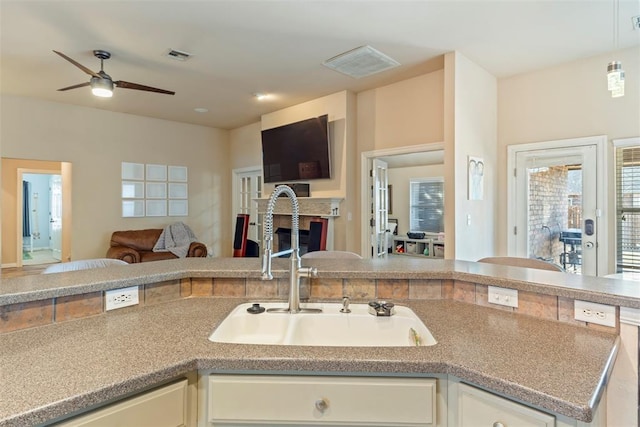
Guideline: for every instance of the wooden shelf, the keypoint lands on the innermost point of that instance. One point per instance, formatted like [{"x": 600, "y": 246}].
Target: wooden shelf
[{"x": 426, "y": 248}]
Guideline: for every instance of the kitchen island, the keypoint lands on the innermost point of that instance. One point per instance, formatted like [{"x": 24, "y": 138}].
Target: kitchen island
[{"x": 61, "y": 368}]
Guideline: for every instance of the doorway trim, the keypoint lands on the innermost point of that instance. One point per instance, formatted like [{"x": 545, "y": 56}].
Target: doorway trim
[
  {"x": 365, "y": 194},
  {"x": 65, "y": 171},
  {"x": 20, "y": 206},
  {"x": 235, "y": 191},
  {"x": 602, "y": 195}
]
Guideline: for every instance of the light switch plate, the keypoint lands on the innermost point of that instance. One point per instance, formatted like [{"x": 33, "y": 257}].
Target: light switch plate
[
  {"x": 503, "y": 296},
  {"x": 592, "y": 312}
]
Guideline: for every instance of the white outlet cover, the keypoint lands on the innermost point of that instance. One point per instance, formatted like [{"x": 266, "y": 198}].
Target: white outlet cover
[
  {"x": 592, "y": 312},
  {"x": 503, "y": 296},
  {"x": 119, "y": 298}
]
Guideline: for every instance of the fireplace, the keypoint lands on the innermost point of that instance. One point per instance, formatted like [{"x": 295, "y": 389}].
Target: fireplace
[
  {"x": 309, "y": 209},
  {"x": 284, "y": 240}
]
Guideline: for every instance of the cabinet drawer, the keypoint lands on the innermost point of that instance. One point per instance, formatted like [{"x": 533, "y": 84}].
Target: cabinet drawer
[
  {"x": 258, "y": 399},
  {"x": 479, "y": 408},
  {"x": 162, "y": 407}
]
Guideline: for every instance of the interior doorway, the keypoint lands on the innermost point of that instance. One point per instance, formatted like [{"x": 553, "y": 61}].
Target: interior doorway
[
  {"x": 375, "y": 235},
  {"x": 246, "y": 187},
  {"x": 41, "y": 218},
  {"x": 14, "y": 240}
]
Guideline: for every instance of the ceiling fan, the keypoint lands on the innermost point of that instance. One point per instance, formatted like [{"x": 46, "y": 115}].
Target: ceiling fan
[{"x": 101, "y": 83}]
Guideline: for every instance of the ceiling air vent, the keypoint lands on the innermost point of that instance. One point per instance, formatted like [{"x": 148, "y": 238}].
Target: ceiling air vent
[
  {"x": 178, "y": 55},
  {"x": 360, "y": 62}
]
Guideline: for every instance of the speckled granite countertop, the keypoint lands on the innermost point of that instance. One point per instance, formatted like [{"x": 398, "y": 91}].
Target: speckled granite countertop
[
  {"x": 596, "y": 289},
  {"x": 50, "y": 371}
]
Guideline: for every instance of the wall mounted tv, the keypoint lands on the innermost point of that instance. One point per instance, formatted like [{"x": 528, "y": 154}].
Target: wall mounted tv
[{"x": 297, "y": 151}]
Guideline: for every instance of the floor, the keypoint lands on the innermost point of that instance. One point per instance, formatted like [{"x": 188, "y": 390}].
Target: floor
[{"x": 32, "y": 263}]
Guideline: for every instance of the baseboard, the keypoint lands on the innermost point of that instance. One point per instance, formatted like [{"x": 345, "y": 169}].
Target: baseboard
[{"x": 11, "y": 265}]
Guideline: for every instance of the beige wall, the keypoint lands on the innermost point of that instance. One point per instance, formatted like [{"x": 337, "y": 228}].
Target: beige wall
[
  {"x": 96, "y": 142},
  {"x": 399, "y": 178},
  {"x": 402, "y": 114},
  {"x": 474, "y": 134},
  {"x": 245, "y": 146},
  {"x": 567, "y": 101}
]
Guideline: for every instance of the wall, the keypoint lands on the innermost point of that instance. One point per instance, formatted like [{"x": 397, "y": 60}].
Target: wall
[
  {"x": 402, "y": 114},
  {"x": 399, "y": 178},
  {"x": 245, "y": 146},
  {"x": 567, "y": 101},
  {"x": 96, "y": 142},
  {"x": 471, "y": 99}
]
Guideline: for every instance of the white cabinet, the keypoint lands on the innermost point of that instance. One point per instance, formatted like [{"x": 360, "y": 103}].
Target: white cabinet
[
  {"x": 315, "y": 400},
  {"x": 163, "y": 407},
  {"x": 472, "y": 407},
  {"x": 431, "y": 248}
]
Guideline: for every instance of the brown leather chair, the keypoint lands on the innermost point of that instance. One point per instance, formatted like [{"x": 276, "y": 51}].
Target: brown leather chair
[{"x": 134, "y": 246}]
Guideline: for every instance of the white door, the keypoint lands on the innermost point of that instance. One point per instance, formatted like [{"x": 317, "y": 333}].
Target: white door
[
  {"x": 55, "y": 216},
  {"x": 380, "y": 206},
  {"x": 556, "y": 207},
  {"x": 248, "y": 186}
]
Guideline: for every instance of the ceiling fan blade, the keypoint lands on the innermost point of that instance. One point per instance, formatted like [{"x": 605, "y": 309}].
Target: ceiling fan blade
[
  {"x": 77, "y": 64},
  {"x": 128, "y": 85},
  {"x": 75, "y": 86}
]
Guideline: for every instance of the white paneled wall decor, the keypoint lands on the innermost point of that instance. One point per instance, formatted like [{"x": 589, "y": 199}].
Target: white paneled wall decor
[{"x": 154, "y": 190}]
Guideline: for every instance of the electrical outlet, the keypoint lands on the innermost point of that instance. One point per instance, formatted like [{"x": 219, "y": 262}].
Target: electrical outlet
[
  {"x": 119, "y": 298},
  {"x": 503, "y": 296},
  {"x": 592, "y": 312}
]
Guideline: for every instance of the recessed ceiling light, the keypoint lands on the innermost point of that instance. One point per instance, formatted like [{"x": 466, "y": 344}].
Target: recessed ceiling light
[
  {"x": 261, "y": 96},
  {"x": 201, "y": 110}
]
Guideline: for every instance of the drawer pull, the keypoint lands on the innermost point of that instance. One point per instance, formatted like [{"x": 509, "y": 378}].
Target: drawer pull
[
  {"x": 322, "y": 405},
  {"x": 498, "y": 424}
]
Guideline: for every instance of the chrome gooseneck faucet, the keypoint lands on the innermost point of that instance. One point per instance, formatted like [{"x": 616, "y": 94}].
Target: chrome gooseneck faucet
[{"x": 296, "y": 271}]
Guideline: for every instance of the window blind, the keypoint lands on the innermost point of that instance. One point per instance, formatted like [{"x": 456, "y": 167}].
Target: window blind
[
  {"x": 426, "y": 207},
  {"x": 628, "y": 208}
]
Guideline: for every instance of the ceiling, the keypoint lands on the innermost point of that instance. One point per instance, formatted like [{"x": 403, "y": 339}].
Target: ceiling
[{"x": 242, "y": 47}]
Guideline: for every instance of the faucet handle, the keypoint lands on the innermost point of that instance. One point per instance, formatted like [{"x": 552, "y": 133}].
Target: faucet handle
[
  {"x": 308, "y": 272},
  {"x": 345, "y": 305}
]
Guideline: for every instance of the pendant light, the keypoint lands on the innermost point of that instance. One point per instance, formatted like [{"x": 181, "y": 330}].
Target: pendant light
[{"x": 615, "y": 73}]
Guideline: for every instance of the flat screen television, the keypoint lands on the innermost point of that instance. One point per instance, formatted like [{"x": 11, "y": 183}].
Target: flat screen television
[{"x": 297, "y": 151}]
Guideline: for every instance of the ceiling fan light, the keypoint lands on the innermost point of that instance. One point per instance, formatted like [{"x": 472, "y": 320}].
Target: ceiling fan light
[
  {"x": 102, "y": 87},
  {"x": 102, "y": 92}
]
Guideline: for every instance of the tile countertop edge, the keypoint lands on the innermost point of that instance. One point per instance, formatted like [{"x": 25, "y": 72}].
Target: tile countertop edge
[{"x": 595, "y": 289}]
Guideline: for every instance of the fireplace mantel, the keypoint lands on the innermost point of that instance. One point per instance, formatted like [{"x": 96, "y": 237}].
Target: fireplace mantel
[{"x": 307, "y": 206}]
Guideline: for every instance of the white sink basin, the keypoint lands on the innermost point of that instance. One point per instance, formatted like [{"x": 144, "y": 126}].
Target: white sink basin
[{"x": 329, "y": 328}]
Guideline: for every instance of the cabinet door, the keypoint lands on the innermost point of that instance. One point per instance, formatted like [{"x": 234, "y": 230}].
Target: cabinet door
[
  {"x": 163, "y": 407},
  {"x": 478, "y": 408},
  {"x": 306, "y": 400}
]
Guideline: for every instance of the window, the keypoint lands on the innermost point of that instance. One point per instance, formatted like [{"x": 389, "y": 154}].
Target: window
[
  {"x": 426, "y": 206},
  {"x": 628, "y": 207}
]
